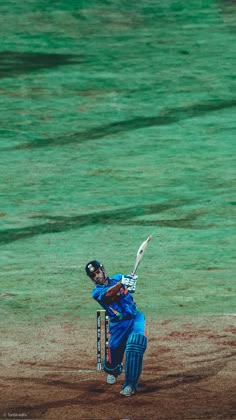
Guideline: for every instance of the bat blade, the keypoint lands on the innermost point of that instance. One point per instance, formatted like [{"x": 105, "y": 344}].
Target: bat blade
[{"x": 140, "y": 253}]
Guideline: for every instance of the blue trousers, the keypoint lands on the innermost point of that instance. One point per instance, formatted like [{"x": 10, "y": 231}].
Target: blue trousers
[{"x": 119, "y": 334}]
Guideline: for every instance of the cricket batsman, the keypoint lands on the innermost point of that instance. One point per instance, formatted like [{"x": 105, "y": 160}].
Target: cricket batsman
[{"x": 126, "y": 325}]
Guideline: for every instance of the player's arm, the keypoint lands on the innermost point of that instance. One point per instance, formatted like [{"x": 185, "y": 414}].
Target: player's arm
[
  {"x": 129, "y": 281},
  {"x": 113, "y": 290}
]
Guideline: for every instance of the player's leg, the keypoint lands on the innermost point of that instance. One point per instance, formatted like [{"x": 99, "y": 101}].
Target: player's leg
[
  {"x": 139, "y": 324},
  {"x": 117, "y": 342},
  {"x": 135, "y": 349},
  {"x": 113, "y": 365}
]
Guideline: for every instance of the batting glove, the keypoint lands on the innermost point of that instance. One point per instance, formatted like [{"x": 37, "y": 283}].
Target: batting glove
[{"x": 130, "y": 282}]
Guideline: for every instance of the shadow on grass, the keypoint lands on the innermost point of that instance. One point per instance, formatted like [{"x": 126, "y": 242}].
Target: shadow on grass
[
  {"x": 167, "y": 117},
  {"x": 15, "y": 63},
  {"x": 121, "y": 216}
]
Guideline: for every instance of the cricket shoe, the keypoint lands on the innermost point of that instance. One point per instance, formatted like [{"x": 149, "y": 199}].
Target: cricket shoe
[
  {"x": 111, "y": 379},
  {"x": 128, "y": 391}
]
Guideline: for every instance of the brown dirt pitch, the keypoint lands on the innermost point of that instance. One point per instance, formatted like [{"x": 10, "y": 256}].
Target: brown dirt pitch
[{"x": 188, "y": 373}]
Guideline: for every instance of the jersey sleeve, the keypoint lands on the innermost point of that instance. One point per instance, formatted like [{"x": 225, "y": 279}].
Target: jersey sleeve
[{"x": 99, "y": 293}]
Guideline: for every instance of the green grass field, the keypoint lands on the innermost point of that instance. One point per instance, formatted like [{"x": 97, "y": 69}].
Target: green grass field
[
  {"x": 117, "y": 122},
  {"x": 117, "y": 125}
]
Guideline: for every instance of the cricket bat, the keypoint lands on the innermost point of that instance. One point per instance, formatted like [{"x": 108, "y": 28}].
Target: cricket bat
[{"x": 140, "y": 253}]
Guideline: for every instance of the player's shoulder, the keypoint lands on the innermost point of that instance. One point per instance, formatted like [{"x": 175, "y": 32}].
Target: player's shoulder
[
  {"x": 116, "y": 277},
  {"x": 96, "y": 291}
]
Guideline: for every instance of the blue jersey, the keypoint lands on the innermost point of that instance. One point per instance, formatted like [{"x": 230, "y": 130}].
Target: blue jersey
[{"x": 119, "y": 307}]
